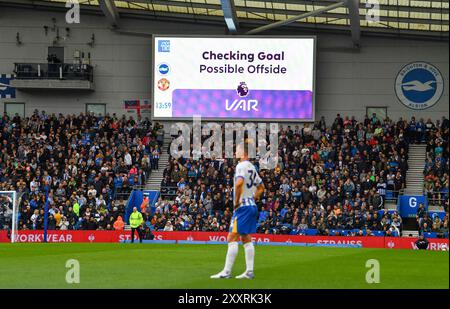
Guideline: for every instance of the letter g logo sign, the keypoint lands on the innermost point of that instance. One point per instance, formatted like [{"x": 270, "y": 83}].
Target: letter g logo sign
[{"x": 412, "y": 202}]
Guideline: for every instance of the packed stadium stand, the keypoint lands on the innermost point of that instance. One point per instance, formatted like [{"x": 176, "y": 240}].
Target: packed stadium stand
[
  {"x": 86, "y": 165},
  {"x": 331, "y": 179}
]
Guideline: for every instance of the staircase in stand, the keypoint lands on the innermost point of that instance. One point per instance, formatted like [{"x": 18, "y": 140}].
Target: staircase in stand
[
  {"x": 154, "y": 181},
  {"x": 414, "y": 175},
  {"x": 414, "y": 183}
]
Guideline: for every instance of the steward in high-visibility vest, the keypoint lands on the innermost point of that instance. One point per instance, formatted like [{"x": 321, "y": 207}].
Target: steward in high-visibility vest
[{"x": 136, "y": 220}]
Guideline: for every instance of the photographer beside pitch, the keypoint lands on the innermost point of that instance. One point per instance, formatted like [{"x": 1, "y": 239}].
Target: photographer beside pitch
[
  {"x": 248, "y": 187},
  {"x": 422, "y": 243},
  {"x": 136, "y": 220}
]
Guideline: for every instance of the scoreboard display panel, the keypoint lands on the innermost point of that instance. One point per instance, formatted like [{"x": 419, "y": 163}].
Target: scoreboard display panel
[{"x": 234, "y": 78}]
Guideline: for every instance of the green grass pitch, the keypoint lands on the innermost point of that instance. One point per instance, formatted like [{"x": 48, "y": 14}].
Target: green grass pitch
[{"x": 189, "y": 266}]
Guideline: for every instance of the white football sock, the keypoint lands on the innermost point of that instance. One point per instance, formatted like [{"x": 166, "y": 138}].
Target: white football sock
[
  {"x": 233, "y": 248},
  {"x": 249, "y": 255}
]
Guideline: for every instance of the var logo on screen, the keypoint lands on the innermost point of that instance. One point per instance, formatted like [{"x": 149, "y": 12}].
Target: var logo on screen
[
  {"x": 243, "y": 105},
  {"x": 419, "y": 85},
  {"x": 164, "y": 46},
  {"x": 163, "y": 69}
]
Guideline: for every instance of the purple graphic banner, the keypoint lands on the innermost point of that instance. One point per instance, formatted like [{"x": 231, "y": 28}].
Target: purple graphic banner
[{"x": 258, "y": 104}]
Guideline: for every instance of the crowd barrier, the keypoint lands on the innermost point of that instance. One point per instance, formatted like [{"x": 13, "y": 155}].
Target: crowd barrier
[{"x": 123, "y": 236}]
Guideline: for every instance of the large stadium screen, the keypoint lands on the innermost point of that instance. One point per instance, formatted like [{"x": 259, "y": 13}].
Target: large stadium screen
[{"x": 234, "y": 78}]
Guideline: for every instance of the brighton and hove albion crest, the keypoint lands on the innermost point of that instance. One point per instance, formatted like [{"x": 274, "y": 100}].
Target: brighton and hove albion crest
[{"x": 419, "y": 85}]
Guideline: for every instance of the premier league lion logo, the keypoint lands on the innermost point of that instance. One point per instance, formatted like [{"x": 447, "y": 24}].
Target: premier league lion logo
[{"x": 242, "y": 89}]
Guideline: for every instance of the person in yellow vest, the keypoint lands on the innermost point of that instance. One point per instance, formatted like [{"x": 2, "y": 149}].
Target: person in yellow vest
[{"x": 135, "y": 223}]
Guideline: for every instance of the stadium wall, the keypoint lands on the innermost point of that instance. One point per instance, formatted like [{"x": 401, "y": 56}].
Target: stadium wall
[{"x": 347, "y": 80}]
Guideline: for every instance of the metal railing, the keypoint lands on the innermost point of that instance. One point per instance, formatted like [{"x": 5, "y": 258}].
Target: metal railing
[
  {"x": 168, "y": 191},
  {"x": 393, "y": 195},
  {"x": 65, "y": 71},
  {"x": 438, "y": 198},
  {"x": 122, "y": 194},
  {"x": 437, "y": 201},
  {"x": 139, "y": 187}
]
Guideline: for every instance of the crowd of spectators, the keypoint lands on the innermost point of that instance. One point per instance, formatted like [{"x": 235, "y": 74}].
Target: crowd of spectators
[
  {"x": 330, "y": 178},
  {"x": 437, "y": 163},
  {"x": 81, "y": 163},
  {"x": 431, "y": 223},
  {"x": 436, "y": 177}
]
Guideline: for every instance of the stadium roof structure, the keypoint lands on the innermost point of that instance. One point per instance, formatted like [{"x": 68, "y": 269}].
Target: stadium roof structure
[{"x": 402, "y": 18}]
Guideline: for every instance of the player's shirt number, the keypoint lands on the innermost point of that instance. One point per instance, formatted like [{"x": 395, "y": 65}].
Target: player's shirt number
[{"x": 251, "y": 179}]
